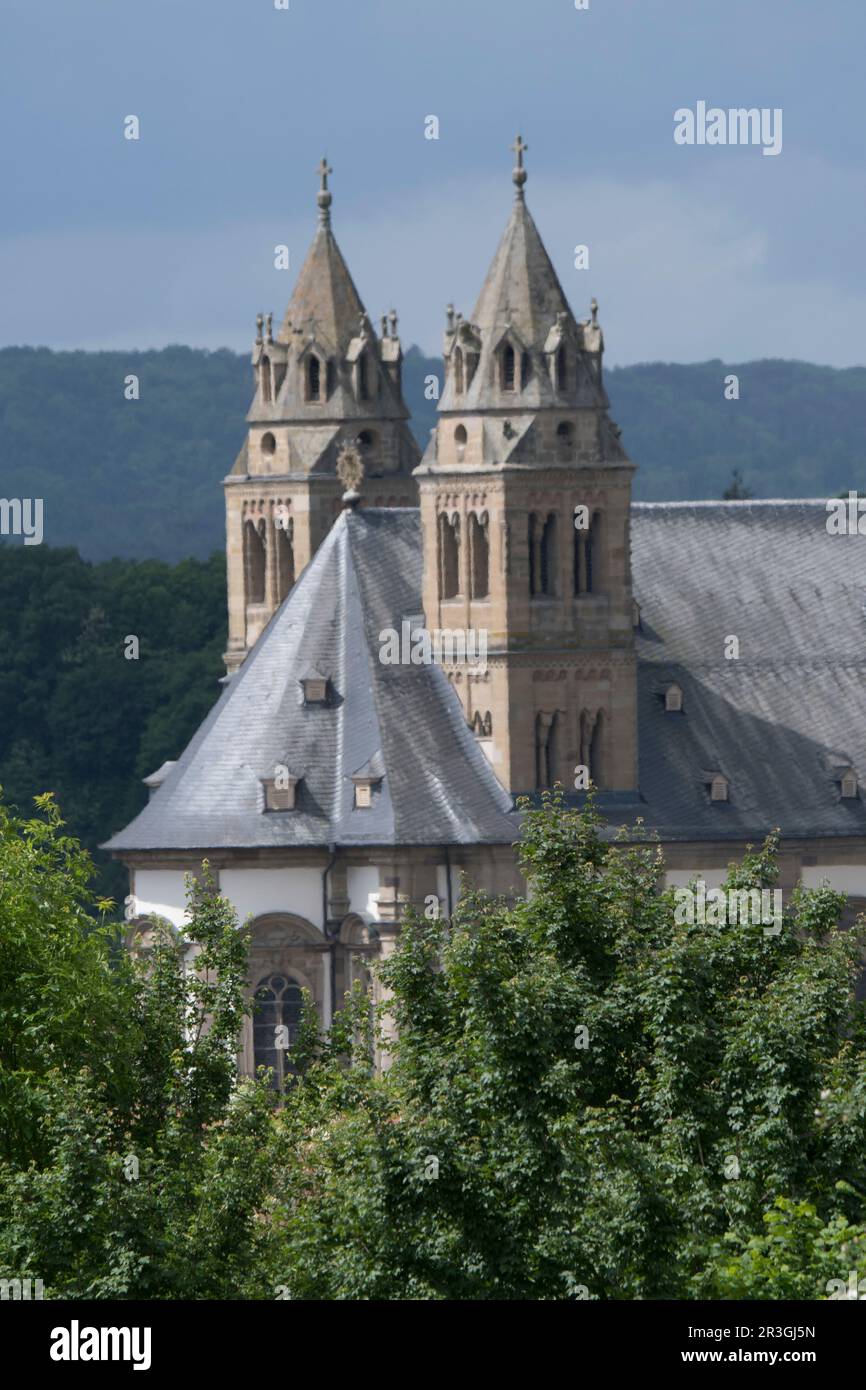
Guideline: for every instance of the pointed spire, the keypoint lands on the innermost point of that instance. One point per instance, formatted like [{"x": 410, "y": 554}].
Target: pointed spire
[
  {"x": 518, "y": 173},
  {"x": 325, "y": 301},
  {"x": 324, "y": 197}
]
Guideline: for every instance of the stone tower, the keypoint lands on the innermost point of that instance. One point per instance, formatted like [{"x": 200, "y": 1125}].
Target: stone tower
[
  {"x": 525, "y": 494},
  {"x": 326, "y": 385}
]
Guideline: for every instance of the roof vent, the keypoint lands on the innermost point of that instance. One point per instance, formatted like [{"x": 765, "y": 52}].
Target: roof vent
[{"x": 156, "y": 779}]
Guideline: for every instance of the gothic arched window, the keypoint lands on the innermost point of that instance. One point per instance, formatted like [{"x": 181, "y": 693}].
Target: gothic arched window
[
  {"x": 254, "y": 562},
  {"x": 330, "y": 378},
  {"x": 479, "y": 557},
  {"x": 525, "y": 369},
  {"x": 565, "y": 440},
  {"x": 278, "y": 1005},
  {"x": 363, "y": 378}
]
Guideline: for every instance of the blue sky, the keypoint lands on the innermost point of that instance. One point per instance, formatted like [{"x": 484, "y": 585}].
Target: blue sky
[{"x": 695, "y": 252}]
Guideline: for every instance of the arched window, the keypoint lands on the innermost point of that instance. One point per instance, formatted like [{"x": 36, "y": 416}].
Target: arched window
[
  {"x": 545, "y": 750},
  {"x": 458, "y": 371},
  {"x": 565, "y": 440},
  {"x": 547, "y": 565},
  {"x": 596, "y": 752},
  {"x": 314, "y": 378},
  {"x": 593, "y": 554},
  {"x": 525, "y": 369},
  {"x": 330, "y": 378},
  {"x": 449, "y": 556},
  {"x": 268, "y": 443},
  {"x": 266, "y": 379},
  {"x": 479, "y": 557},
  {"x": 254, "y": 561},
  {"x": 508, "y": 368},
  {"x": 285, "y": 558},
  {"x": 278, "y": 1005},
  {"x": 460, "y": 438},
  {"x": 561, "y": 369},
  {"x": 542, "y": 555},
  {"x": 363, "y": 378}
]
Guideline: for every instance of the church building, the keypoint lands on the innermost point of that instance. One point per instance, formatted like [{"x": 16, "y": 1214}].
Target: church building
[{"x": 699, "y": 662}]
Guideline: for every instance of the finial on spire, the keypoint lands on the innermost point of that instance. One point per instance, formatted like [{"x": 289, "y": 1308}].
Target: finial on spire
[
  {"x": 269, "y": 328},
  {"x": 449, "y": 318},
  {"x": 518, "y": 173},
  {"x": 383, "y": 324},
  {"x": 259, "y": 321},
  {"x": 392, "y": 320},
  {"x": 324, "y": 197},
  {"x": 593, "y": 308}
]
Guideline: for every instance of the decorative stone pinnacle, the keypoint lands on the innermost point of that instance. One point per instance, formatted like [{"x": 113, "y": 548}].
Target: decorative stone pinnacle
[
  {"x": 449, "y": 317},
  {"x": 259, "y": 321},
  {"x": 383, "y": 324},
  {"x": 593, "y": 308},
  {"x": 518, "y": 173},
  {"x": 269, "y": 329},
  {"x": 392, "y": 320},
  {"x": 324, "y": 197}
]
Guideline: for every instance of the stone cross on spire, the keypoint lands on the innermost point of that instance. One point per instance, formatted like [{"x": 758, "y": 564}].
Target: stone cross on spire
[
  {"x": 323, "y": 198},
  {"x": 519, "y": 174}
]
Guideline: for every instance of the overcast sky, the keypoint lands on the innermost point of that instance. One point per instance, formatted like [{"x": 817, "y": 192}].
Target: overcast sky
[{"x": 695, "y": 252}]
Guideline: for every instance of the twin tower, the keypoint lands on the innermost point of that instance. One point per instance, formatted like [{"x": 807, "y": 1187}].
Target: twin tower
[{"x": 524, "y": 492}]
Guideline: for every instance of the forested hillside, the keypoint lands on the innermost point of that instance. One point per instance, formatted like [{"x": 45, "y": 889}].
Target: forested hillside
[
  {"x": 78, "y": 718},
  {"x": 142, "y": 478}
]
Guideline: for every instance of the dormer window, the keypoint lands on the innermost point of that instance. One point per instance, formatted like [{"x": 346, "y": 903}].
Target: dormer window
[
  {"x": 508, "y": 368},
  {"x": 281, "y": 790},
  {"x": 719, "y": 788},
  {"x": 674, "y": 705},
  {"x": 315, "y": 688},
  {"x": 849, "y": 784},
  {"x": 367, "y": 780},
  {"x": 561, "y": 370},
  {"x": 314, "y": 378},
  {"x": 458, "y": 372}
]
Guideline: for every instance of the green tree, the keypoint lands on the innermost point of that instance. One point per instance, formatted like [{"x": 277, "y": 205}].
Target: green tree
[
  {"x": 135, "y": 1162},
  {"x": 586, "y": 1097}
]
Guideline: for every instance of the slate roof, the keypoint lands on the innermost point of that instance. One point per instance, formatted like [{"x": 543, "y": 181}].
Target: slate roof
[
  {"x": 437, "y": 787},
  {"x": 781, "y": 722}
]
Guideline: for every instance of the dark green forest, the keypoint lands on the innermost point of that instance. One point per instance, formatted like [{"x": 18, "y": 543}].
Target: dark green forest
[
  {"x": 141, "y": 479},
  {"x": 76, "y": 717}
]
